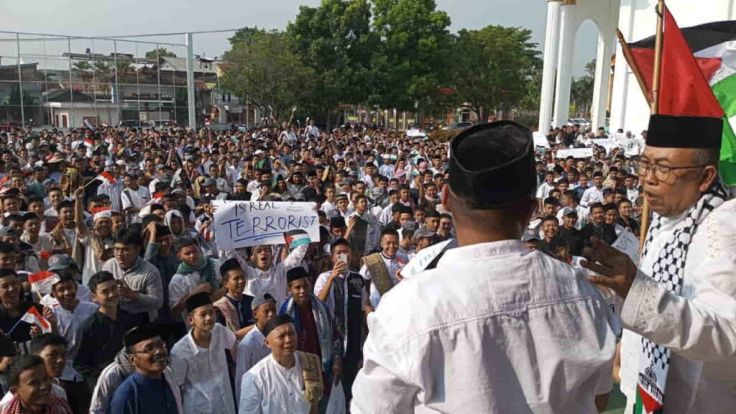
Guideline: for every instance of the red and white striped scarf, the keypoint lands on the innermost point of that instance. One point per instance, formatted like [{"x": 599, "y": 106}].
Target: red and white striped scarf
[{"x": 56, "y": 406}]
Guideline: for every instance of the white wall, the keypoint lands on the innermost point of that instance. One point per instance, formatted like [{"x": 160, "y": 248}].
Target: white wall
[{"x": 637, "y": 20}]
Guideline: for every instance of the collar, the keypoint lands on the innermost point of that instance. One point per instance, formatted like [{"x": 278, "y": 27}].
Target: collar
[{"x": 465, "y": 254}]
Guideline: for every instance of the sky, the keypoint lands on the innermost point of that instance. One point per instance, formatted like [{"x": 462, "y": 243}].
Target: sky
[{"x": 134, "y": 17}]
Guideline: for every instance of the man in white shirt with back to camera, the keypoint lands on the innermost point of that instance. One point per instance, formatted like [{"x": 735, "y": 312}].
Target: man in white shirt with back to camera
[{"x": 495, "y": 327}]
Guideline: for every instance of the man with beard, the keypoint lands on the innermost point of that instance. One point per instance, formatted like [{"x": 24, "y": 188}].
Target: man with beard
[{"x": 151, "y": 388}]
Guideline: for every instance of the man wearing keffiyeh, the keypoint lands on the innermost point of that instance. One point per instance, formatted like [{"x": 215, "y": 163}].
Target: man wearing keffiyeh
[{"x": 678, "y": 350}]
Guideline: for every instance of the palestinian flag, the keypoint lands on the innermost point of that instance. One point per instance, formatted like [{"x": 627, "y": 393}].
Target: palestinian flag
[
  {"x": 714, "y": 47},
  {"x": 296, "y": 238}
]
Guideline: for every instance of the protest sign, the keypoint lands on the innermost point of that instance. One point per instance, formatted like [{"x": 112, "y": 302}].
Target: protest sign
[
  {"x": 540, "y": 140},
  {"x": 420, "y": 262},
  {"x": 628, "y": 243},
  {"x": 250, "y": 223},
  {"x": 606, "y": 143},
  {"x": 575, "y": 153}
]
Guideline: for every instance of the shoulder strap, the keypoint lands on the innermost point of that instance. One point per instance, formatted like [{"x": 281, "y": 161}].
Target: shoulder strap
[{"x": 379, "y": 272}]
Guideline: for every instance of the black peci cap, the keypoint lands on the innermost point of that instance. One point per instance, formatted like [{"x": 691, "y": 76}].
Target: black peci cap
[
  {"x": 669, "y": 131},
  {"x": 492, "y": 165}
]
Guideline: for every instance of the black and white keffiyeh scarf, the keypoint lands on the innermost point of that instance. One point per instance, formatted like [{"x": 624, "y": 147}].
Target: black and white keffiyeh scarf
[{"x": 669, "y": 270}]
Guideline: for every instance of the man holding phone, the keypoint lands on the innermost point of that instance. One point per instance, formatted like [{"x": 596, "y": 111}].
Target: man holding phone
[{"x": 341, "y": 290}]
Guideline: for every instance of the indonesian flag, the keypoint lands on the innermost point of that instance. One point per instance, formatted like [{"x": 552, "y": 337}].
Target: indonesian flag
[
  {"x": 296, "y": 238},
  {"x": 42, "y": 282},
  {"x": 89, "y": 142},
  {"x": 106, "y": 177},
  {"x": 33, "y": 316}
]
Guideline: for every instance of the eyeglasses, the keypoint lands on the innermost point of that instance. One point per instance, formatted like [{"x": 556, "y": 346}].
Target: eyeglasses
[
  {"x": 661, "y": 172},
  {"x": 151, "y": 348}
]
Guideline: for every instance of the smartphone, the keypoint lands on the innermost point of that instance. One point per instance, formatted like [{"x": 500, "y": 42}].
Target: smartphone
[{"x": 342, "y": 257}]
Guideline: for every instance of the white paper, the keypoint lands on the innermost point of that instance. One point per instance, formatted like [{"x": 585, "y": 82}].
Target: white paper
[{"x": 251, "y": 223}]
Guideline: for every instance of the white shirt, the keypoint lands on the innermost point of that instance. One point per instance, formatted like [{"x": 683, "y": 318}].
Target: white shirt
[
  {"x": 135, "y": 198},
  {"x": 182, "y": 284},
  {"x": 699, "y": 325},
  {"x": 513, "y": 331},
  {"x": 273, "y": 280},
  {"x": 269, "y": 388},
  {"x": 250, "y": 350},
  {"x": 206, "y": 381},
  {"x": 544, "y": 190},
  {"x": 591, "y": 195},
  {"x": 69, "y": 324}
]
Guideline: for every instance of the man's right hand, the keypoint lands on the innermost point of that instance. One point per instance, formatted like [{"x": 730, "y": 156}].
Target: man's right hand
[{"x": 338, "y": 268}]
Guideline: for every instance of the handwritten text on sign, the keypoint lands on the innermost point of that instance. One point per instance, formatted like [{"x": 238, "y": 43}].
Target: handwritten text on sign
[{"x": 250, "y": 223}]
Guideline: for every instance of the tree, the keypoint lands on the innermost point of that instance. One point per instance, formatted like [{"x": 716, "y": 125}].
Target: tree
[
  {"x": 335, "y": 41},
  {"x": 493, "y": 68},
  {"x": 159, "y": 53},
  {"x": 410, "y": 59},
  {"x": 581, "y": 91},
  {"x": 262, "y": 69}
]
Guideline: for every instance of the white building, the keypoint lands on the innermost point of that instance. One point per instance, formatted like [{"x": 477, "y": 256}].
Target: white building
[{"x": 636, "y": 19}]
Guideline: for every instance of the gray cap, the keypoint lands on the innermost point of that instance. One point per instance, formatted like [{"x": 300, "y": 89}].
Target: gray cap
[
  {"x": 569, "y": 211},
  {"x": 260, "y": 300},
  {"x": 530, "y": 235},
  {"x": 60, "y": 262},
  {"x": 423, "y": 232}
]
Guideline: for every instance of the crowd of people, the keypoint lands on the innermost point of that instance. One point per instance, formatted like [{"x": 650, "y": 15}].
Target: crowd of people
[{"x": 115, "y": 297}]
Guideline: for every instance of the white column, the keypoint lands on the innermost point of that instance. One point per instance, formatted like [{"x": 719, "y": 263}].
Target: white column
[
  {"x": 551, "y": 51},
  {"x": 568, "y": 29},
  {"x": 602, "y": 77},
  {"x": 191, "y": 106}
]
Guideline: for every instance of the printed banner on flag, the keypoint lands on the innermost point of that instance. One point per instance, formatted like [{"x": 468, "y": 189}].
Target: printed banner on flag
[
  {"x": 250, "y": 223},
  {"x": 33, "y": 316}
]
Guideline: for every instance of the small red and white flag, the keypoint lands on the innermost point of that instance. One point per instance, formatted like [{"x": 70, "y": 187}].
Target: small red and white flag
[
  {"x": 42, "y": 281},
  {"x": 106, "y": 177},
  {"x": 33, "y": 316}
]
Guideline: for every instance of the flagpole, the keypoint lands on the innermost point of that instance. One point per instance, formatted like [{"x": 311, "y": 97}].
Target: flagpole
[
  {"x": 654, "y": 107},
  {"x": 632, "y": 64}
]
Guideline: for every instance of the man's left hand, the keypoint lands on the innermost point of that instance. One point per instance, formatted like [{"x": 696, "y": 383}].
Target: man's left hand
[{"x": 617, "y": 270}]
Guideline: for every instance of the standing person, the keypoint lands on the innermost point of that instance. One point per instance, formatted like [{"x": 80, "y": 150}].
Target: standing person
[
  {"x": 593, "y": 194},
  {"x": 677, "y": 348},
  {"x": 253, "y": 346},
  {"x": 71, "y": 314},
  {"x": 139, "y": 281},
  {"x": 196, "y": 273},
  {"x": 205, "y": 378},
  {"x": 31, "y": 387},
  {"x": 287, "y": 381},
  {"x": 315, "y": 328},
  {"x": 265, "y": 276},
  {"x": 597, "y": 227},
  {"x": 380, "y": 269},
  {"x": 152, "y": 387},
  {"x": 233, "y": 309},
  {"x": 101, "y": 336},
  {"x": 342, "y": 290},
  {"x": 476, "y": 294}
]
